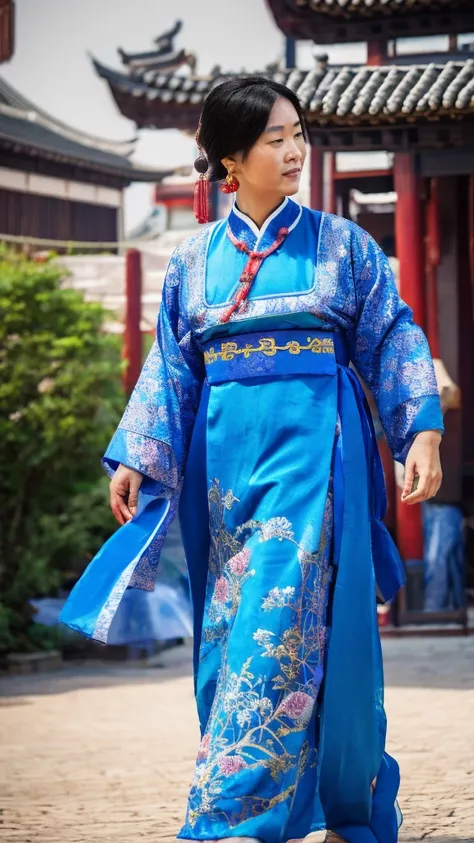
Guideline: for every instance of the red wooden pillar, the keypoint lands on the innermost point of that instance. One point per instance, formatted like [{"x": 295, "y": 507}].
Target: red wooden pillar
[
  {"x": 316, "y": 178},
  {"x": 433, "y": 252},
  {"x": 330, "y": 182},
  {"x": 410, "y": 253},
  {"x": 465, "y": 233},
  {"x": 409, "y": 235},
  {"x": 7, "y": 29},
  {"x": 132, "y": 349}
]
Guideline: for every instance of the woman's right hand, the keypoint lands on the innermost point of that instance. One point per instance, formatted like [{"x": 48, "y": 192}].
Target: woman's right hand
[{"x": 124, "y": 488}]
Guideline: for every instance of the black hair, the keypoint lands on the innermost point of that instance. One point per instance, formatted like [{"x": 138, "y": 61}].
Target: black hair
[{"x": 234, "y": 116}]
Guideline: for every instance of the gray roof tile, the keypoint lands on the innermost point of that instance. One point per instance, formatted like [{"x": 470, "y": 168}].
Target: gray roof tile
[
  {"x": 457, "y": 83},
  {"x": 12, "y": 98},
  {"x": 330, "y": 95}
]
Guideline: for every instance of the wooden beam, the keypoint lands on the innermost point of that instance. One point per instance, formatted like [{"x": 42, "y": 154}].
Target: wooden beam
[
  {"x": 73, "y": 191},
  {"x": 342, "y": 175},
  {"x": 444, "y": 133}
]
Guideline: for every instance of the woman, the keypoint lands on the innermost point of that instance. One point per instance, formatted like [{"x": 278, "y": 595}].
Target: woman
[{"x": 247, "y": 414}]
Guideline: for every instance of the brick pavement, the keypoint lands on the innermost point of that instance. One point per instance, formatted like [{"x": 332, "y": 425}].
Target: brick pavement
[{"x": 104, "y": 754}]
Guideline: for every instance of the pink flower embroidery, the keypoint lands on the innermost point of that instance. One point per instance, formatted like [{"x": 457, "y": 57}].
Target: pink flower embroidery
[
  {"x": 221, "y": 590},
  {"x": 298, "y": 706},
  {"x": 204, "y": 748},
  {"x": 231, "y": 764},
  {"x": 240, "y": 562}
]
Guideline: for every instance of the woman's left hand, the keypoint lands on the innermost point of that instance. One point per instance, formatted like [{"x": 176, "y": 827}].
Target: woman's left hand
[{"x": 423, "y": 462}]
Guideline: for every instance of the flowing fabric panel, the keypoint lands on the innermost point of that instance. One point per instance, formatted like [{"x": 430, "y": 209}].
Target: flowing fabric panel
[
  {"x": 261, "y": 653},
  {"x": 153, "y": 438}
]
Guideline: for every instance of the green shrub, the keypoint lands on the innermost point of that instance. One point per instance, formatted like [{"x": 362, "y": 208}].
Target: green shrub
[{"x": 60, "y": 400}]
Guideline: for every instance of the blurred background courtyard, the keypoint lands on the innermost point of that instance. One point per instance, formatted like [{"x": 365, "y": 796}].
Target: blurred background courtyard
[
  {"x": 99, "y": 104},
  {"x": 106, "y": 752}
]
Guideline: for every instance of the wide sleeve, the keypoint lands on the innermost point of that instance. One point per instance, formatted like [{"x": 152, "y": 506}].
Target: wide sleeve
[
  {"x": 390, "y": 352},
  {"x": 154, "y": 434}
]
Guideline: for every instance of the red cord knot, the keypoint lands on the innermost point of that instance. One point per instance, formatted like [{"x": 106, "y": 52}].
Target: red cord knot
[{"x": 255, "y": 260}]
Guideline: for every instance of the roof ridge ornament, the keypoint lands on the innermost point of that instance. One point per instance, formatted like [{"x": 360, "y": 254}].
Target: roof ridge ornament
[
  {"x": 162, "y": 57},
  {"x": 165, "y": 41},
  {"x": 321, "y": 59}
]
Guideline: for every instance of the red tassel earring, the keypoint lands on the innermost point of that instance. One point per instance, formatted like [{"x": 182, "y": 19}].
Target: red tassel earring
[
  {"x": 202, "y": 188},
  {"x": 231, "y": 184}
]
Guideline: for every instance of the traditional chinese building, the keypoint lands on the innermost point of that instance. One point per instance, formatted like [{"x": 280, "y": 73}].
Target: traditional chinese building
[
  {"x": 58, "y": 183},
  {"x": 418, "y": 108},
  {"x": 372, "y": 21}
]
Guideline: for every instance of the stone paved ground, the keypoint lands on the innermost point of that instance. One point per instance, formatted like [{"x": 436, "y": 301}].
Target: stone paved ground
[{"x": 104, "y": 754}]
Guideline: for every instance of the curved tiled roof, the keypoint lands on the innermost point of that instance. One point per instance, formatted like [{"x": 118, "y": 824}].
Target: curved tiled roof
[
  {"x": 342, "y": 21},
  {"x": 9, "y": 96},
  {"x": 23, "y": 127},
  {"x": 165, "y": 87},
  {"x": 346, "y": 95},
  {"x": 19, "y": 132},
  {"x": 382, "y": 94}
]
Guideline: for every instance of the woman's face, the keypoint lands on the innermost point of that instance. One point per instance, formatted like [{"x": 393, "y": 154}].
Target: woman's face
[{"x": 274, "y": 163}]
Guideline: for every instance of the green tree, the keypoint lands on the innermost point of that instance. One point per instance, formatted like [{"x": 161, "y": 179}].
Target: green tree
[{"x": 60, "y": 400}]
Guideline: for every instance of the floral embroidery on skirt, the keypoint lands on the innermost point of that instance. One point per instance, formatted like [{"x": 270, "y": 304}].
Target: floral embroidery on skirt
[{"x": 262, "y": 721}]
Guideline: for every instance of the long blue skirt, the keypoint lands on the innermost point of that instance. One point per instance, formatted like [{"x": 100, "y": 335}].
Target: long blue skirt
[
  {"x": 261, "y": 645},
  {"x": 284, "y": 543},
  {"x": 288, "y": 670}
]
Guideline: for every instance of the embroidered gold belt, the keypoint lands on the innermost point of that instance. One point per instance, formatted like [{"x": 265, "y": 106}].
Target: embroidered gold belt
[{"x": 284, "y": 352}]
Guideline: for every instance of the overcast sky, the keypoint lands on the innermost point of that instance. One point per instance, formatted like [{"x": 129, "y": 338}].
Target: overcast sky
[{"x": 52, "y": 67}]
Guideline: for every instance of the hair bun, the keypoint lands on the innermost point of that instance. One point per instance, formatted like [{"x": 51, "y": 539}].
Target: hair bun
[{"x": 201, "y": 164}]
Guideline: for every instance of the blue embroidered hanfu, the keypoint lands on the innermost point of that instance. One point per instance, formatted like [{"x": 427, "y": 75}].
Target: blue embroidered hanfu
[{"x": 258, "y": 431}]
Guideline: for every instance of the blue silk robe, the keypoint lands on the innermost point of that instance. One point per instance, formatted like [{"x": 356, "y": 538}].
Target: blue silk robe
[{"x": 258, "y": 431}]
